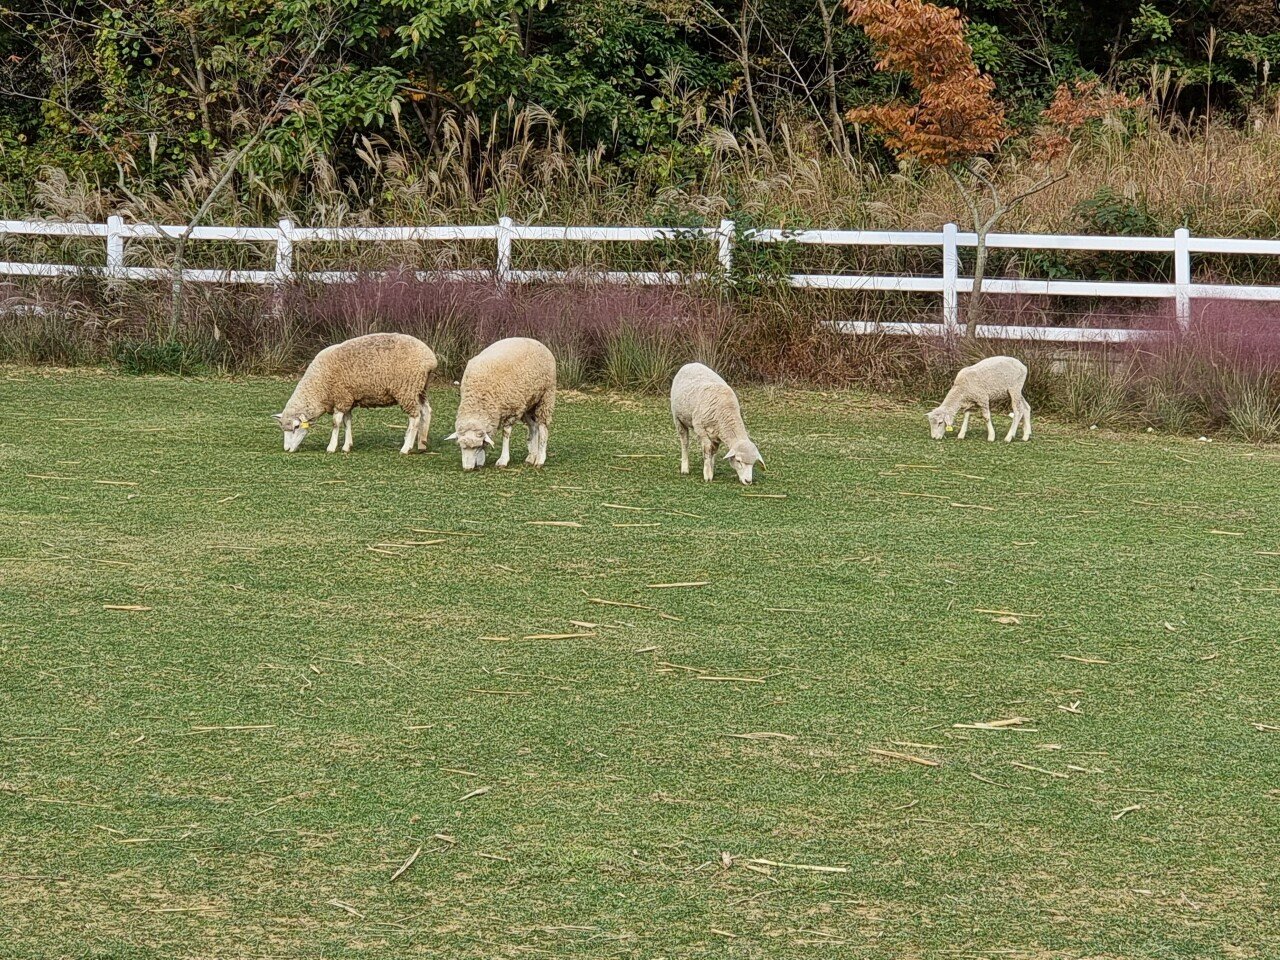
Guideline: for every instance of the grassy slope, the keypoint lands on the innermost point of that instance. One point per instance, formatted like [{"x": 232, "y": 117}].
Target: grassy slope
[{"x": 612, "y": 787}]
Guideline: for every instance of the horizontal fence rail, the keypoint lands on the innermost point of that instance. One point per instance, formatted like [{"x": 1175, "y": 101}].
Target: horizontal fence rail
[{"x": 948, "y": 285}]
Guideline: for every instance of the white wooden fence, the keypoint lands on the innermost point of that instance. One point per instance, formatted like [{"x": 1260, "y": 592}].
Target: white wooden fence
[{"x": 505, "y": 233}]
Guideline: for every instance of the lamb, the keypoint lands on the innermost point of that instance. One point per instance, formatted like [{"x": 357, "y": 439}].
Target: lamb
[
  {"x": 513, "y": 379},
  {"x": 701, "y": 401},
  {"x": 378, "y": 370},
  {"x": 979, "y": 384}
]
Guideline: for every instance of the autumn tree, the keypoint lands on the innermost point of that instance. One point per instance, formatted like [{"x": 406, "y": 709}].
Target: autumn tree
[{"x": 957, "y": 124}]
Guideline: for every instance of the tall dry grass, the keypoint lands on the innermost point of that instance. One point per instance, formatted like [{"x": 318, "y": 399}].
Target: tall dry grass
[
  {"x": 1149, "y": 177},
  {"x": 1217, "y": 179}
]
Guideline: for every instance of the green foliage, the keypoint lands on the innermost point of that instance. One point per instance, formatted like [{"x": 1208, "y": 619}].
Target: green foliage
[
  {"x": 1109, "y": 212},
  {"x": 988, "y": 46},
  {"x": 138, "y": 94},
  {"x": 171, "y": 357},
  {"x": 1152, "y": 24}
]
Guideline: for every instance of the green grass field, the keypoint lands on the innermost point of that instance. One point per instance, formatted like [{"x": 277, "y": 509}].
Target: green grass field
[{"x": 349, "y": 660}]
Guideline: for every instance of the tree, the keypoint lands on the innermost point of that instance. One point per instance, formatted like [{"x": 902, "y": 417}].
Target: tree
[
  {"x": 70, "y": 70},
  {"x": 957, "y": 122}
]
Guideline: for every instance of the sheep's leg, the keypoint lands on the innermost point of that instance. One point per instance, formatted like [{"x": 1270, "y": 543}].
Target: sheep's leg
[
  {"x": 684, "y": 448},
  {"x": 1013, "y": 425},
  {"x": 424, "y": 424},
  {"x": 1016, "y": 403},
  {"x": 1026, "y": 419},
  {"x": 411, "y": 435},
  {"x": 544, "y": 434},
  {"x": 346, "y": 423},
  {"x": 506, "y": 446},
  {"x": 539, "y": 433},
  {"x": 991, "y": 430},
  {"x": 333, "y": 437},
  {"x": 964, "y": 426},
  {"x": 709, "y": 448},
  {"x": 530, "y": 421}
]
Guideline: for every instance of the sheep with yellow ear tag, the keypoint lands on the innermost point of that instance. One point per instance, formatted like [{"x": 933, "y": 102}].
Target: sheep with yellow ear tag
[{"x": 378, "y": 370}]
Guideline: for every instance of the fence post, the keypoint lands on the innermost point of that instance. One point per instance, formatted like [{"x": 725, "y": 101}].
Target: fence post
[
  {"x": 284, "y": 264},
  {"x": 724, "y": 245},
  {"x": 502, "y": 272},
  {"x": 115, "y": 248},
  {"x": 950, "y": 279},
  {"x": 1182, "y": 276},
  {"x": 284, "y": 253}
]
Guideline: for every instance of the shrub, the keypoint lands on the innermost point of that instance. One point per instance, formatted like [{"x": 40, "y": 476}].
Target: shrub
[
  {"x": 171, "y": 357},
  {"x": 33, "y": 333},
  {"x": 1253, "y": 407},
  {"x": 1092, "y": 394},
  {"x": 638, "y": 361}
]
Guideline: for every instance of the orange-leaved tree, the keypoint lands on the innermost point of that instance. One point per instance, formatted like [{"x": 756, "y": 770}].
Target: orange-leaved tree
[{"x": 957, "y": 122}]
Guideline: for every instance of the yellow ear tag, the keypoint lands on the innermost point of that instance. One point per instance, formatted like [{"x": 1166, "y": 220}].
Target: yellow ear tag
[
  {"x": 304, "y": 424},
  {"x": 951, "y": 428}
]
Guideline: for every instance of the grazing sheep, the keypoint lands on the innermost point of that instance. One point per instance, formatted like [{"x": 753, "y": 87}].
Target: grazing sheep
[
  {"x": 378, "y": 370},
  {"x": 986, "y": 380},
  {"x": 513, "y": 379},
  {"x": 701, "y": 401}
]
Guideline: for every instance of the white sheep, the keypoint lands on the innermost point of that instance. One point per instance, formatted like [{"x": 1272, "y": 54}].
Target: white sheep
[
  {"x": 701, "y": 401},
  {"x": 378, "y": 370},
  {"x": 513, "y": 379},
  {"x": 979, "y": 384}
]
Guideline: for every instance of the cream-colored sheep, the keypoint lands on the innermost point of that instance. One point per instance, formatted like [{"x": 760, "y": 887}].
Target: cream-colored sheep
[
  {"x": 378, "y": 370},
  {"x": 701, "y": 401},
  {"x": 513, "y": 379},
  {"x": 987, "y": 380}
]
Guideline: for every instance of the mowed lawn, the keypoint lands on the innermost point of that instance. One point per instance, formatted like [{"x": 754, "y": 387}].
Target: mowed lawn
[{"x": 349, "y": 662}]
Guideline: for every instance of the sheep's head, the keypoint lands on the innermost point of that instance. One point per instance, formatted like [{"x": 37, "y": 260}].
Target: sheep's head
[
  {"x": 940, "y": 422},
  {"x": 744, "y": 455},
  {"x": 295, "y": 430},
  {"x": 472, "y": 443}
]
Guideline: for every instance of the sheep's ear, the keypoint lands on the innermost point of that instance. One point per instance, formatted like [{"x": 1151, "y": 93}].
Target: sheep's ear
[
  {"x": 452, "y": 436},
  {"x": 488, "y": 440},
  {"x": 760, "y": 460},
  {"x": 728, "y": 456},
  {"x": 278, "y": 417}
]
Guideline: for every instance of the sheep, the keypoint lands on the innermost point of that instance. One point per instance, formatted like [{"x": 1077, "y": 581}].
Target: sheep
[
  {"x": 701, "y": 401},
  {"x": 513, "y": 379},
  {"x": 378, "y": 370},
  {"x": 979, "y": 384}
]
